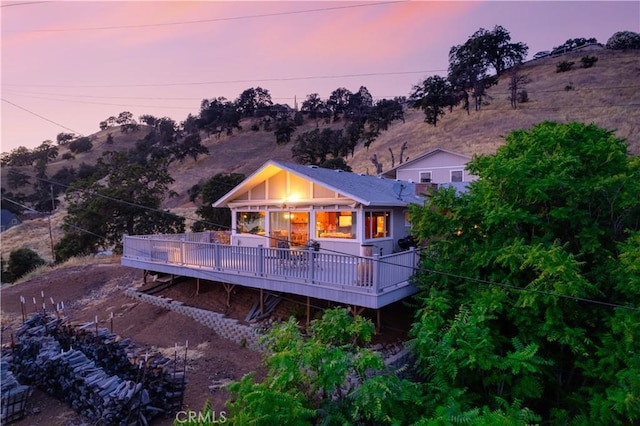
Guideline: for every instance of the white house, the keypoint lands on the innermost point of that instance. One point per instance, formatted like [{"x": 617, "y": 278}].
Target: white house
[
  {"x": 438, "y": 167},
  {"x": 278, "y": 212},
  {"x": 340, "y": 210}
]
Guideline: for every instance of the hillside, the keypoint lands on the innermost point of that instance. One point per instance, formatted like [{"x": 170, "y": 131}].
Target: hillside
[{"x": 606, "y": 94}]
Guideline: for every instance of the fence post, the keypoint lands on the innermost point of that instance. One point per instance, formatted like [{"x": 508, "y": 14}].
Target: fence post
[
  {"x": 376, "y": 273},
  {"x": 311, "y": 260},
  {"x": 260, "y": 260},
  {"x": 216, "y": 255}
]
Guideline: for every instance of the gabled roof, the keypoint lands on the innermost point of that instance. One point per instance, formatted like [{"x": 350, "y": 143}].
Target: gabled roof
[
  {"x": 422, "y": 157},
  {"x": 364, "y": 189}
]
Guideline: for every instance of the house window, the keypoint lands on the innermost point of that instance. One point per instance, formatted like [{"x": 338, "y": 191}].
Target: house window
[
  {"x": 425, "y": 177},
  {"x": 250, "y": 223},
  {"x": 336, "y": 224},
  {"x": 456, "y": 175},
  {"x": 290, "y": 226},
  {"x": 377, "y": 224}
]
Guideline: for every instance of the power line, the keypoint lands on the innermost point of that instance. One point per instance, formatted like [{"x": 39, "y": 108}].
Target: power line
[
  {"x": 173, "y": 107},
  {"x": 250, "y": 81},
  {"x": 205, "y": 21},
  {"x": 23, "y": 3},
  {"x": 39, "y": 116}
]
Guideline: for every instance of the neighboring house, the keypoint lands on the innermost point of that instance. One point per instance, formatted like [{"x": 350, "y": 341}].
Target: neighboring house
[
  {"x": 277, "y": 214},
  {"x": 438, "y": 167},
  {"x": 340, "y": 210},
  {"x": 9, "y": 219}
]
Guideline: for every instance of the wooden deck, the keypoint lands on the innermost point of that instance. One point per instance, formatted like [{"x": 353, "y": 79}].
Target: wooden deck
[{"x": 359, "y": 281}]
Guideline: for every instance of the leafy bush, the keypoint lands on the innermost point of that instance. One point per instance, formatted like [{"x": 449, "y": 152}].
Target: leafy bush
[
  {"x": 68, "y": 156},
  {"x": 21, "y": 262},
  {"x": 588, "y": 61},
  {"x": 564, "y": 66},
  {"x": 624, "y": 40}
]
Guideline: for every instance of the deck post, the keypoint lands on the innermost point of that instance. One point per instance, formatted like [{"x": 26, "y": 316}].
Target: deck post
[
  {"x": 308, "y": 311},
  {"x": 197, "y": 286},
  {"x": 261, "y": 301},
  {"x": 310, "y": 254},
  {"x": 260, "y": 266},
  {"x": 228, "y": 288},
  {"x": 376, "y": 273},
  {"x": 216, "y": 255},
  {"x": 378, "y": 320}
]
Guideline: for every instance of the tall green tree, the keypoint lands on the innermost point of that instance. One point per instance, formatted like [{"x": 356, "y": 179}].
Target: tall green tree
[
  {"x": 471, "y": 63},
  {"x": 216, "y": 187},
  {"x": 530, "y": 279},
  {"x": 254, "y": 102},
  {"x": 433, "y": 96},
  {"x": 126, "y": 201}
]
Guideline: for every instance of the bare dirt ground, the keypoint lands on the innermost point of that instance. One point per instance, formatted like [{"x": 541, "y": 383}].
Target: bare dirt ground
[
  {"x": 92, "y": 290},
  {"x": 98, "y": 289}
]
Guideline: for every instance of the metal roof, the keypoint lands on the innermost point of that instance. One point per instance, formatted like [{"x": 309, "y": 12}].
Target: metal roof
[{"x": 366, "y": 189}]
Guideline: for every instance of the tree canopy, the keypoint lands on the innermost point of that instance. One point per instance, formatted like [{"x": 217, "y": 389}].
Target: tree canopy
[
  {"x": 531, "y": 298},
  {"x": 126, "y": 200}
]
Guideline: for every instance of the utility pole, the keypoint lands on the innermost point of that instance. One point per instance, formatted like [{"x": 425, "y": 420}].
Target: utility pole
[{"x": 53, "y": 206}]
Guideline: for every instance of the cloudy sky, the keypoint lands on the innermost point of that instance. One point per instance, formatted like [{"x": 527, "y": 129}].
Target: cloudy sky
[{"x": 66, "y": 66}]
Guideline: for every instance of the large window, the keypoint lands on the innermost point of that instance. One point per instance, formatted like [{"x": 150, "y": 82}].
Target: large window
[
  {"x": 377, "y": 225},
  {"x": 250, "y": 223},
  {"x": 290, "y": 226},
  {"x": 336, "y": 224},
  {"x": 456, "y": 176}
]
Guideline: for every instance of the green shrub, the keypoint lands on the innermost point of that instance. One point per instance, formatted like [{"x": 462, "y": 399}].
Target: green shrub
[
  {"x": 564, "y": 66},
  {"x": 21, "y": 262},
  {"x": 588, "y": 61}
]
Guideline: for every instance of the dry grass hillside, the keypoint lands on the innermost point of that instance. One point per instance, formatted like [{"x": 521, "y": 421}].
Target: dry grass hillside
[{"x": 607, "y": 94}]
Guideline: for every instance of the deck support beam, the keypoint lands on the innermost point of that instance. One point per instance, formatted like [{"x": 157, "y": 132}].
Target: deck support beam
[
  {"x": 261, "y": 301},
  {"x": 228, "y": 288},
  {"x": 197, "y": 286},
  {"x": 356, "y": 310}
]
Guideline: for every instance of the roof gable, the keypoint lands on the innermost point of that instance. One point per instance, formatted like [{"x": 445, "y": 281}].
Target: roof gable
[
  {"x": 434, "y": 152},
  {"x": 364, "y": 189}
]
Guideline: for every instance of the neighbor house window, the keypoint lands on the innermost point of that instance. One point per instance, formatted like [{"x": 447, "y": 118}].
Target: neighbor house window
[
  {"x": 425, "y": 177},
  {"x": 377, "y": 224},
  {"x": 456, "y": 176},
  {"x": 250, "y": 223},
  {"x": 336, "y": 224}
]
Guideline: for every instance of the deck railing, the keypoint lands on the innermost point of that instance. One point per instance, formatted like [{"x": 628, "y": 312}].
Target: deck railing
[{"x": 365, "y": 274}]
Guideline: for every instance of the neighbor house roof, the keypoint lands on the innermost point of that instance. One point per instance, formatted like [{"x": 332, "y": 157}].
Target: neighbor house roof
[
  {"x": 8, "y": 219},
  {"x": 365, "y": 189},
  {"x": 392, "y": 171}
]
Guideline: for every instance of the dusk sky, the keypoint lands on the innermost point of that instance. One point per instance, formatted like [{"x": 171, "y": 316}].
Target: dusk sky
[{"x": 66, "y": 66}]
